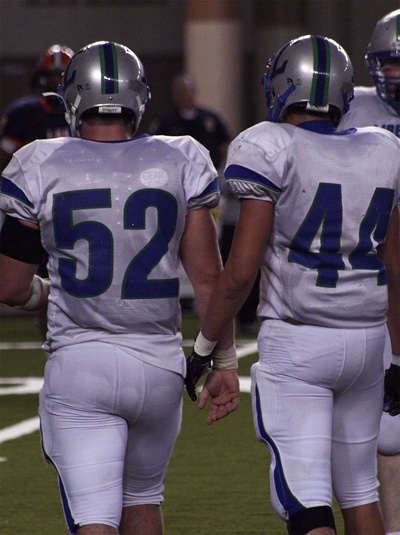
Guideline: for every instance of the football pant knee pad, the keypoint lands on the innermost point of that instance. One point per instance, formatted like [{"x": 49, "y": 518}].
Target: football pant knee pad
[{"x": 311, "y": 518}]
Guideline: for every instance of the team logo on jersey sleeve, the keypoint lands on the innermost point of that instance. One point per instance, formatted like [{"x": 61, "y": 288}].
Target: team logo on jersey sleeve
[{"x": 154, "y": 177}]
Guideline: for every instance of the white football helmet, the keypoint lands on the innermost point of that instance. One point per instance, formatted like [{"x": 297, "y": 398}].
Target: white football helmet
[
  {"x": 385, "y": 45},
  {"x": 312, "y": 71},
  {"x": 107, "y": 76}
]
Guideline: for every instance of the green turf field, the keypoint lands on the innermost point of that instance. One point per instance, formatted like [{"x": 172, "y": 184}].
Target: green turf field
[{"x": 217, "y": 481}]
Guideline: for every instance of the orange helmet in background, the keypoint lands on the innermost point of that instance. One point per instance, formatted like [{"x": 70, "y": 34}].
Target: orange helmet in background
[
  {"x": 51, "y": 65},
  {"x": 55, "y": 59}
]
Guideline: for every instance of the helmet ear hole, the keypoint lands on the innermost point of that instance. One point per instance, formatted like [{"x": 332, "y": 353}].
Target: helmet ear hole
[
  {"x": 105, "y": 75},
  {"x": 311, "y": 70}
]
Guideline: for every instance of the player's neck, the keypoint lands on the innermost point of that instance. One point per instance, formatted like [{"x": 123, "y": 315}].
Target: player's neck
[
  {"x": 296, "y": 118},
  {"x": 106, "y": 132}
]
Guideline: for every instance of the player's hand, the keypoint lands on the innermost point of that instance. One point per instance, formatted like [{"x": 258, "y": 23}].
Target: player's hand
[
  {"x": 391, "y": 402},
  {"x": 223, "y": 388},
  {"x": 196, "y": 367}
]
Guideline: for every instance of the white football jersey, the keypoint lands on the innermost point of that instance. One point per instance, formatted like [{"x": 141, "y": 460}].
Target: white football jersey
[
  {"x": 111, "y": 216},
  {"x": 367, "y": 109},
  {"x": 333, "y": 194}
]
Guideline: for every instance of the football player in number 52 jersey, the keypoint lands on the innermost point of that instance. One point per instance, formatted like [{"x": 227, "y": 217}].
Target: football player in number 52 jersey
[{"x": 115, "y": 215}]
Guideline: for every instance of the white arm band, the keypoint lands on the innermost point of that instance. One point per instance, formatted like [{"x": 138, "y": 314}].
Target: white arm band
[
  {"x": 225, "y": 359},
  {"x": 395, "y": 359},
  {"x": 203, "y": 346},
  {"x": 36, "y": 291}
]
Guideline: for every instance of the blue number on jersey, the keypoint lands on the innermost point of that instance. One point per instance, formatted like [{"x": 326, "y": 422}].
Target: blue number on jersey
[
  {"x": 98, "y": 236},
  {"x": 325, "y": 216},
  {"x": 100, "y": 241},
  {"x": 373, "y": 226},
  {"x": 136, "y": 284},
  {"x": 326, "y": 210}
]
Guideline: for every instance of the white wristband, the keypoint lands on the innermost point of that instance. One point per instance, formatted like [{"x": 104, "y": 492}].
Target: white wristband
[
  {"x": 203, "y": 346},
  {"x": 225, "y": 359},
  {"x": 395, "y": 359},
  {"x": 36, "y": 292}
]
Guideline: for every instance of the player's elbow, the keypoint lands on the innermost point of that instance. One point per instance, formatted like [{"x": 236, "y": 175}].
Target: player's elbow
[{"x": 238, "y": 280}]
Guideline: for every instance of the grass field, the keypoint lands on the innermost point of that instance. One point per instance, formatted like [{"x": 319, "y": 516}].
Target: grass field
[{"x": 217, "y": 480}]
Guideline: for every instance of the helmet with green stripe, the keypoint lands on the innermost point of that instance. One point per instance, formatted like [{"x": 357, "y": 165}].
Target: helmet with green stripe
[
  {"x": 383, "y": 50},
  {"x": 312, "y": 72},
  {"x": 107, "y": 77}
]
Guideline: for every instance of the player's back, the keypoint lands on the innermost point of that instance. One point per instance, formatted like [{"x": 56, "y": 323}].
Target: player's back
[
  {"x": 111, "y": 218},
  {"x": 336, "y": 200},
  {"x": 333, "y": 196}
]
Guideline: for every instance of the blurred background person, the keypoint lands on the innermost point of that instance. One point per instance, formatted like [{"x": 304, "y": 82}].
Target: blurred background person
[
  {"x": 36, "y": 117},
  {"x": 186, "y": 117},
  {"x": 379, "y": 105}
]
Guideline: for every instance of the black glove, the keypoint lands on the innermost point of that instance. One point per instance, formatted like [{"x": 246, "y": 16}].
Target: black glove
[
  {"x": 391, "y": 402},
  {"x": 196, "y": 366}
]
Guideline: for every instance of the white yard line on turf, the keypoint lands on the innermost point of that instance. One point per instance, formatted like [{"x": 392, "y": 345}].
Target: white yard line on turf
[
  {"x": 20, "y": 385},
  {"x": 20, "y": 345},
  {"x": 18, "y": 430},
  {"x": 244, "y": 347}
]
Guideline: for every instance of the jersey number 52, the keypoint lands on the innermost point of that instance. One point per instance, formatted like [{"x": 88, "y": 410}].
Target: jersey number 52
[{"x": 136, "y": 283}]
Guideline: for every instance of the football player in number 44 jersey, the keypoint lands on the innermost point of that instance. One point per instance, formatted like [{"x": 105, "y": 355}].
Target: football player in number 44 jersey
[{"x": 319, "y": 216}]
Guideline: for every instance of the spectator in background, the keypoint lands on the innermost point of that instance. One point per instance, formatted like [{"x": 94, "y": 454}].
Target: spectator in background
[
  {"x": 187, "y": 118},
  {"x": 204, "y": 125},
  {"x": 36, "y": 117}
]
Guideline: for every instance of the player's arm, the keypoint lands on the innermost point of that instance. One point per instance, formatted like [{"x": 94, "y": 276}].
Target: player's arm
[
  {"x": 200, "y": 256},
  {"x": 389, "y": 253},
  {"x": 236, "y": 280},
  {"x": 20, "y": 255}
]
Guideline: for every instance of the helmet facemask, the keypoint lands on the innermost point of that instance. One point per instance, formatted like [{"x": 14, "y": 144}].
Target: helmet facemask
[
  {"x": 387, "y": 87},
  {"x": 384, "y": 50}
]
